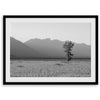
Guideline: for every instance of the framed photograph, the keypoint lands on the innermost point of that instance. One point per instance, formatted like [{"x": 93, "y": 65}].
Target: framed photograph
[{"x": 50, "y": 50}]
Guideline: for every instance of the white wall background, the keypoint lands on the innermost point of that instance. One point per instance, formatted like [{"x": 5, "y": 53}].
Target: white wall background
[{"x": 47, "y": 7}]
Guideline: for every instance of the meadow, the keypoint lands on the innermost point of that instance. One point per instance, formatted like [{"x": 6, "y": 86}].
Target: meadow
[{"x": 50, "y": 68}]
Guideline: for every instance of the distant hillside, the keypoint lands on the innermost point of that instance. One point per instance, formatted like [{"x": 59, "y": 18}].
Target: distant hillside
[
  {"x": 45, "y": 48},
  {"x": 20, "y": 50},
  {"x": 54, "y": 48}
]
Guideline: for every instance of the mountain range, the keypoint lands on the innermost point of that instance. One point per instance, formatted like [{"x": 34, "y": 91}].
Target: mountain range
[{"x": 45, "y": 48}]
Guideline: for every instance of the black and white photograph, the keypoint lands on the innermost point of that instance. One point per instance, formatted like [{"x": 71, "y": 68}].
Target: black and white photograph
[{"x": 50, "y": 49}]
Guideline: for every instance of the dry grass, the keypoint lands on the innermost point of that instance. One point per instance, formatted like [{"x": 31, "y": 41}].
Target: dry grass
[{"x": 77, "y": 68}]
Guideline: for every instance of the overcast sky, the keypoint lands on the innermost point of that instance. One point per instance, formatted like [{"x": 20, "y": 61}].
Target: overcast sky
[{"x": 76, "y": 32}]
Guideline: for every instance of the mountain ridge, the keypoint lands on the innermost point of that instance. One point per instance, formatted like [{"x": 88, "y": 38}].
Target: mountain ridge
[{"x": 47, "y": 48}]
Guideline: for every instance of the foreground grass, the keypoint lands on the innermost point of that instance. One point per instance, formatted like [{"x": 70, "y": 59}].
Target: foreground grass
[{"x": 35, "y": 68}]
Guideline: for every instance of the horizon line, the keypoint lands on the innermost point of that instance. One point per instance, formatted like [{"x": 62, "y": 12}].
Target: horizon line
[{"x": 49, "y": 39}]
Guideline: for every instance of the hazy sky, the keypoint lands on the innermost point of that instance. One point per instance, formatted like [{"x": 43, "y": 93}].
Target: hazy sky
[{"x": 76, "y": 32}]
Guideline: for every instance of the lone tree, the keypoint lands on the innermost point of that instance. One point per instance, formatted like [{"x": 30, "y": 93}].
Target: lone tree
[{"x": 68, "y": 45}]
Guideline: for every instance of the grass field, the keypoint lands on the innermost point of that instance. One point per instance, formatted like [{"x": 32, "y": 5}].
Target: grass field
[{"x": 50, "y": 68}]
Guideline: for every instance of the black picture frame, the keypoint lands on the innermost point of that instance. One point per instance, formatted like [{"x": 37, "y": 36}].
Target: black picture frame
[{"x": 50, "y": 83}]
